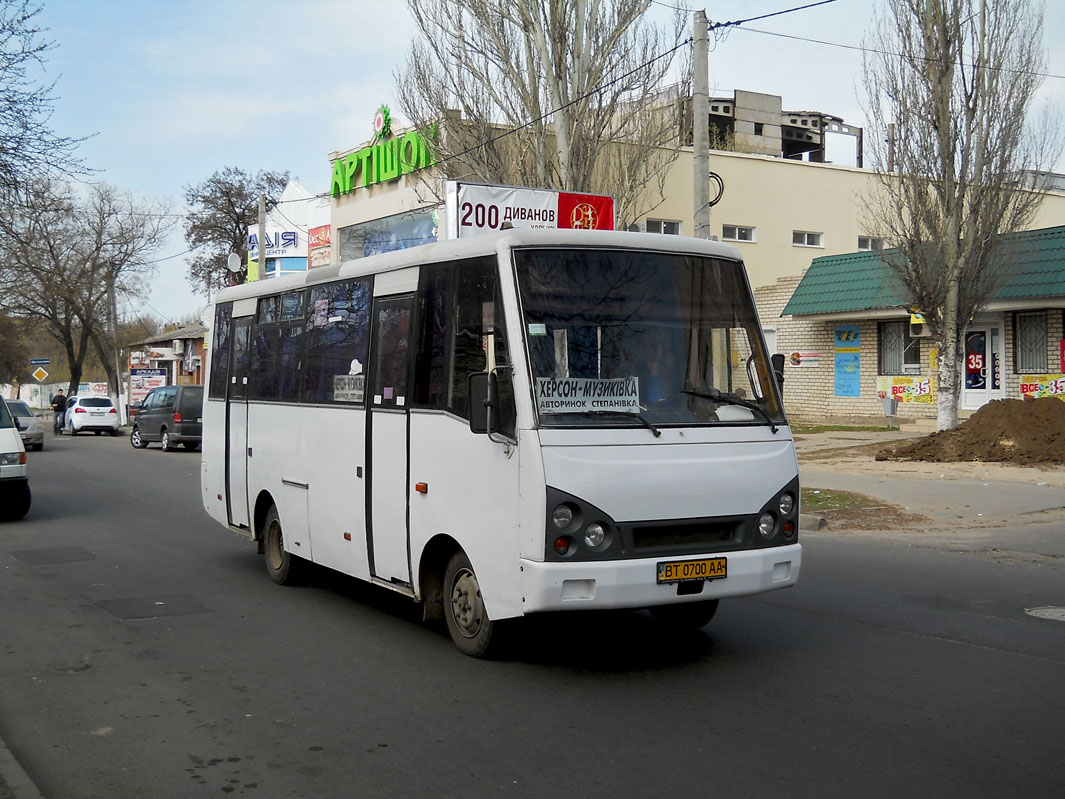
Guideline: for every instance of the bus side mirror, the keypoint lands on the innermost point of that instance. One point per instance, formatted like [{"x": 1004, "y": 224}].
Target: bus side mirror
[
  {"x": 777, "y": 359},
  {"x": 484, "y": 393}
]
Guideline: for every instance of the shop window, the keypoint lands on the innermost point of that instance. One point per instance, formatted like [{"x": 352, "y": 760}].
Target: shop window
[
  {"x": 898, "y": 352},
  {"x": 1030, "y": 342},
  {"x": 870, "y": 243},
  {"x": 737, "y": 233},
  {"x": 804, "y": 238},
  {"x": 667, "y": 226}
]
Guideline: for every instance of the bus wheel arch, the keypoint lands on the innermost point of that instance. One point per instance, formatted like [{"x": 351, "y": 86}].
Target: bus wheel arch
[
  {"x": 263, "y": 503},
  {"x": 431, "y": 568}
]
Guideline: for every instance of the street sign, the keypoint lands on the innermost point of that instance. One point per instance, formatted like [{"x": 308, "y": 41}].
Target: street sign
[
  {"x": 40, "y": 361},
  {"x": 40, "y": 375}
]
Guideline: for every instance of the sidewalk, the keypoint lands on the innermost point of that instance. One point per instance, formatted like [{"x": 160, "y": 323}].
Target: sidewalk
[
  {"x": 14, "y": 782},
  {"x": 949, "y": 495}
]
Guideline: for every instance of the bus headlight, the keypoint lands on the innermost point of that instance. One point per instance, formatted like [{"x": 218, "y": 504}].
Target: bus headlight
[
  {"x": 786, "y": 504},
  {"x": 562, "y": 516},
  {"x": 766, "y": 525},
  {"x": 594, "y": 535}
]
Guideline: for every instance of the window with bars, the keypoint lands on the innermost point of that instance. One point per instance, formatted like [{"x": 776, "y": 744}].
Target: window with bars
[
  {"x": 1030, "y": 342},
  {"x": 898, "y": 352}
]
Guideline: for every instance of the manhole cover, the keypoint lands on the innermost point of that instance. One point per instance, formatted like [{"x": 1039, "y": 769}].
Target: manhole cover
[
  {"x": 1049, "y": 612},
  {"x": 45, "y": 557}
]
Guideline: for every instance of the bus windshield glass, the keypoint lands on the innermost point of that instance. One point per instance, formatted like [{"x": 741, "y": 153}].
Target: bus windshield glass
[{"x": 668, "y": 339}]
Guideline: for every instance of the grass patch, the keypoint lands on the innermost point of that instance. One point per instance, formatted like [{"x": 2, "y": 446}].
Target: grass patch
[
  {"x": 799, "y": 429},
  {"x": 819, "y": 500}
]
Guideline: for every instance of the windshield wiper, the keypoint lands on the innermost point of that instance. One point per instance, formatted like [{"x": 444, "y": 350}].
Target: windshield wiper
[
  {"x": 626, "y": 414},
  {"x": 730, "y": 399}
]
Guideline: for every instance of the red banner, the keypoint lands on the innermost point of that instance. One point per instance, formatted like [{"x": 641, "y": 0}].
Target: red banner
[{"x": 585, "y": 211}]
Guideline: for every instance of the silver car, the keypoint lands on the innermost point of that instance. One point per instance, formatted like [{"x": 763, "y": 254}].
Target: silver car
[{"x": 30, "y": 428}]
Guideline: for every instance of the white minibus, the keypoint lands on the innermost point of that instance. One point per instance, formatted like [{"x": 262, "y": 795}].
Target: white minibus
[{"x": 522, "y": 422}]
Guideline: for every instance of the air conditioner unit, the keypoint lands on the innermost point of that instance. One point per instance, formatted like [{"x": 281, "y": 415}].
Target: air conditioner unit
[
  {"x": 918, "y": 326},
  {"x": 179, "y": 346}
]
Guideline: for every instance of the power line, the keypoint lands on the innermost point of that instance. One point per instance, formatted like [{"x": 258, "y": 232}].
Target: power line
[
  {"x": 875, "y": 51},
  {"x": 716, "y": 25}
]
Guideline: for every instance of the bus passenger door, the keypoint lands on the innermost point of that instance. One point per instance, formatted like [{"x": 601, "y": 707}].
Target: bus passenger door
[
  {"x": 387, "y": 534},
  {"x": 237, "y": 425}
]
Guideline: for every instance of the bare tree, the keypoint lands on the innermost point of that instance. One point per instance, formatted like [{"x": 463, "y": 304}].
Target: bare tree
[
  {"x": 28, "y": 147},
  {"x": 955, "y": 80},
  {"x": 62, "y": 255},
  {"x": 561, "y": 94},
  {"x": 223, "y": 208}
]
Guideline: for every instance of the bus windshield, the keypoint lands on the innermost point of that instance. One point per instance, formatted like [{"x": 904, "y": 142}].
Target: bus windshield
[{"x": 663, "y": 338}]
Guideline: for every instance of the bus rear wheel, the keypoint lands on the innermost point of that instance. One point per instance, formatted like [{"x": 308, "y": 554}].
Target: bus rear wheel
[
  {"x": 688, "y": 616},
  {"x": 464, "y": 611},
  {"x": 280, "y": 565}
]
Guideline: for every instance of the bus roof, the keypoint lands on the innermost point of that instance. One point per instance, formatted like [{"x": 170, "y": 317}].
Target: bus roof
[{"x": 485, "y": 244}]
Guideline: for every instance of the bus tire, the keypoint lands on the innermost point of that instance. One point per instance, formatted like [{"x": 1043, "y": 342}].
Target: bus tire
[
  {"x": 688, "y": 616},
  {"x": 280, "y": 565},
  {"x": 464, "y": 612}
]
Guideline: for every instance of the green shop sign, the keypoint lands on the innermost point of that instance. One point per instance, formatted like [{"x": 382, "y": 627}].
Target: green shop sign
[{"x": 381, "y": 162}]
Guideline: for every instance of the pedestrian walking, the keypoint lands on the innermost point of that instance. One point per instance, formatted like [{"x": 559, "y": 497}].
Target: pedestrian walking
[{"x": 59, "y": 407}]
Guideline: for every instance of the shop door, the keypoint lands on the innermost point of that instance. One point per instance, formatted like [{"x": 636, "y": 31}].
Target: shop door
[{"x": 981, "y": 367}]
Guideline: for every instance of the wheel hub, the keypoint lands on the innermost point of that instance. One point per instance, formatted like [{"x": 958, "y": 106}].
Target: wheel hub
[{"x": 466, "y": 603}]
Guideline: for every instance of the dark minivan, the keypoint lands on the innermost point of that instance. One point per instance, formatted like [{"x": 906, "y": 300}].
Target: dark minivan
[{"x": 171, "y": 415}]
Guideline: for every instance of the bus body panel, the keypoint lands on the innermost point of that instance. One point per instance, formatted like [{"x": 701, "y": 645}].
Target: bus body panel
[
  {"x": 471, "y": 496},
  {"x": 278, "y": 463},
  {"x": 612, "y": 584},
  {"x": 671, "y": 479},
  {"x": 332, "y": 450}
]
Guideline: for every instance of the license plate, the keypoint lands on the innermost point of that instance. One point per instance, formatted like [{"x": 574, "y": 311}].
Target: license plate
[
  {"x": 97, "y": 413},
  {"x": 675, "y": 571}
]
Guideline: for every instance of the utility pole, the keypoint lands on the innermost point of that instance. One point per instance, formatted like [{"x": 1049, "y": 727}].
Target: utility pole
[
  {"x": 262, "y": 236},
  {"x": 700, "y": 124},
  {"x": 113, "y": 315}
]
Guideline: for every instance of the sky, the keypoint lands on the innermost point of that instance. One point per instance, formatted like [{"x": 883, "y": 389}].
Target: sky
[{"x": 168, "y": 92}]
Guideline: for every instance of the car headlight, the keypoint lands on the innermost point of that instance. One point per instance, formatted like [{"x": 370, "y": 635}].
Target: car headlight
[
  {"x": 594, "y": 535},
  {"x": 12, "y": 458},
  {"x": 766, "y": 525},
  {"x": 786, "y": 504},
  {"x": 562, "y": 516}
]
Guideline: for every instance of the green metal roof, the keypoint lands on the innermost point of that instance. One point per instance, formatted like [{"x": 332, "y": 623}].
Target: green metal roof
[{"x": 862, "y": 281}]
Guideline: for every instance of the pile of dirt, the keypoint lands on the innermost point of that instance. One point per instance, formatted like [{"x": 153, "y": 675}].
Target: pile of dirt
[{"x": 1023, "y": 432}]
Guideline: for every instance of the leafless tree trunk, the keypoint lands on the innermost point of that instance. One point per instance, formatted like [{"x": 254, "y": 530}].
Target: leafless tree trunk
[
  {"x": 957, "y": 78},
  {"x": 578, "y": 86}
]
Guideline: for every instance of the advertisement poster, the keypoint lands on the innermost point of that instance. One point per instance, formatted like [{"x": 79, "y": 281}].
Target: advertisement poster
[
  {"x": 319, "y": 246},
  {"x": 906, "y": 389},
  {"x": 473, "y": 209},
  {"x": 847, "y": 346},
  {"x": 141, "y": 381},
  {"x": 1036, "y": 386}
]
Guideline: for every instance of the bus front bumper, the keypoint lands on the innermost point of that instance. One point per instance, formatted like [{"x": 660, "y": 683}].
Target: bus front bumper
[{"x": 591, "y": 585}]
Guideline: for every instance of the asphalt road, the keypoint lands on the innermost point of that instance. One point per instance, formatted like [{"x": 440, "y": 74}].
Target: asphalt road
[{"x": 146, "y": 653}]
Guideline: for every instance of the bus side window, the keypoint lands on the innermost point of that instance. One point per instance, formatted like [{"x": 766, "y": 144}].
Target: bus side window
[{"x": 223, "y": 317}]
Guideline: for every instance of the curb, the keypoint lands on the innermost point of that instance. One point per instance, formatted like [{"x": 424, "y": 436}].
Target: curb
[
  {"x": 13, "y": 778},
  {"x": 812, "y": 522}
]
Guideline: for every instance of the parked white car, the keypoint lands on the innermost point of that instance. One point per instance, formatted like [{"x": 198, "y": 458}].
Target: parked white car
[
  {"x": 29, "y": 424},
  {"x": 14, "y": 474},
  {"x": 93, "y": 414}
]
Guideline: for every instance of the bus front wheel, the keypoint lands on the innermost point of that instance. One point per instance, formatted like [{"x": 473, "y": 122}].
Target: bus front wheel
[
  {"x": 280, "y": 564},
  {"x": 689, "y": 616},
  {"x": 464, "y": 611}
]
